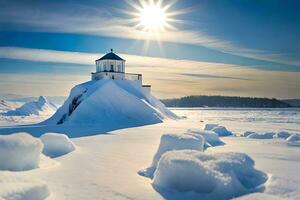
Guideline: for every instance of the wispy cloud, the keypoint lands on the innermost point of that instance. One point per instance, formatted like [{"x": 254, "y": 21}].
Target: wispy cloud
[
  {"x": 89, "y": 20},
  {"x": 169, "y": 77}
]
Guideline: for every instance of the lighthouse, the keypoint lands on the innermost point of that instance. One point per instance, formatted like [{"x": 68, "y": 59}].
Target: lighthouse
[{"x": 112, "y": 66}]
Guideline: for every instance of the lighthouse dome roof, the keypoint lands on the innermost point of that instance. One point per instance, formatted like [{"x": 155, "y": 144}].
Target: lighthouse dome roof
[{"x": 110, "y": 56}]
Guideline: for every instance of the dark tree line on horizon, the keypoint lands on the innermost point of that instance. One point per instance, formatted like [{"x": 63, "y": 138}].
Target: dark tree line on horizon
[{"x": 225, "y": 101}]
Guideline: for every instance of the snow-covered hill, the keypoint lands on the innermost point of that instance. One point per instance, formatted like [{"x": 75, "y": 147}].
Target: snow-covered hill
[
  {"x": 39, "y": 107},
  {"x": 110, "y": 103}
]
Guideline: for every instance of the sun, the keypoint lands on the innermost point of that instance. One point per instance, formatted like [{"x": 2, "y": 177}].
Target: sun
[{"x": 152, "y": 16}]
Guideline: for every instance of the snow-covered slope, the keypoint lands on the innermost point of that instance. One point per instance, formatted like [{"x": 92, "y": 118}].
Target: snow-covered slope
[
  {"x": 110, "y": 103},
  {"x": 40, "y": 107},
  {"x": 8, "y": 105}
]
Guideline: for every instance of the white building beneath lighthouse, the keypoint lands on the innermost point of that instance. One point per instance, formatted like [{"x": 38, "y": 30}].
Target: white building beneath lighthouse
[{"x": 112, "y": 66}]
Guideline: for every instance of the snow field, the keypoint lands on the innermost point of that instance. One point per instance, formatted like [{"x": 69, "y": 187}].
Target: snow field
[
  {"x": 19, "y": 151},
  {"x": 56, "y": 144},
  {"x": 210, "y": 176}
]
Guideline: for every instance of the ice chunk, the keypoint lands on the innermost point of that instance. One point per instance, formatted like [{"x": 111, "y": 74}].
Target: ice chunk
[
  {"x": 169, "y": 142},
  {"x": 294, "y": 140},
  {"x": 282, "y": 134},
  {"x": 211, "y": 138},
  {"x": 221, "y": 131},
  {"x": 56, "y": 144},
  {"x": 209, "y": 127},
  {"x": 267, "y": 135},
  {"x": 211, "y": 176},
  {"x": 19, "y": 151}
]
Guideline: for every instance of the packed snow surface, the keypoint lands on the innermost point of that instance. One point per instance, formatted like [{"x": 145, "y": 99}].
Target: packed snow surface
[
  {"x": 19, "y": 151},
  {"x": 56, "y": 144},
  {"x": 39, "y": 107},
  {"x": 210, "y": 176},
  {"x": 211, "y": 138},
  {"x": 110, "y": 103}
]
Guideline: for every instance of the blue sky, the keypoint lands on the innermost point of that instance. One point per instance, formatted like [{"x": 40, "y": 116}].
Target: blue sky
[{"x": 254, "y": 42}]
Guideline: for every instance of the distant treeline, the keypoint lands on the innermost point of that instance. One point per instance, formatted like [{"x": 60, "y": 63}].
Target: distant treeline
[{"x": 225, "y": 101}]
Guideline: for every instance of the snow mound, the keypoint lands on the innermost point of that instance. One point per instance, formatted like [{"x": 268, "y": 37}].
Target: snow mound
[
  {"x": 221, "y": 131},
  {"x": 208, "y": 176},
  {"x": 294, "y": 140},
  {"x": 170, "y": 142},
  {"x": 40, "y": 107},
  {"x": 19, "y": 151},
  {"x": 247, "y": 133},
  {"x": 282, "y": 134},
  {"x": 209, "y": 127},
  {"x": 110, "y": 103},
  {"x": 17, "y": 188},
  {"x": 56, "y": 144},
  {"x": 211, "y": 138},
  {"x": 267, "y": 135}
]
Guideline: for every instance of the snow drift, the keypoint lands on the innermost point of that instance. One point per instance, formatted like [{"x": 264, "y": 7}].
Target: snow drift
[
  {"x": 211, "y": 138},
  {"x": 14, "y": 187},
  {"x": 40, "y": 107},
  {"x": 282, "y": 134},
  {"x": 209, "y": 127},
  {"x": 56, "y": 144},
  {"x": 207, "y": 176},
  {"x": 267, "y": 135},
  {"x": 294, "y": 140},
  {"x": 169, "y": 142},
  {"x": 220, "y": 130},
  {"x": 19, "y": 151},
  {"x": 110, "y": 103}
]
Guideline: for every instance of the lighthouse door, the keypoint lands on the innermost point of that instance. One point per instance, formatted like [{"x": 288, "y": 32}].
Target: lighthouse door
[{"x": 111, "y": 68}]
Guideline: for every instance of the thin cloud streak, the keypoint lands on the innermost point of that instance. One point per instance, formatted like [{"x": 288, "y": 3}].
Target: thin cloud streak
[
  {"x": 100, "y": 22},
  {"x": 176, "y": 77}
]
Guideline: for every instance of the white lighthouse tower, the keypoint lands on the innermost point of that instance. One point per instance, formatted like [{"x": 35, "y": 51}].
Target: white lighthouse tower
[{"x": 112, "y": 66}]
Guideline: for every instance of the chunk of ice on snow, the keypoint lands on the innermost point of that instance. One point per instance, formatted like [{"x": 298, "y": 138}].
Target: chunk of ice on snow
[
  {"x": 19, "y": 151},
  {"x": 56, "y": 144},
  {"x": 169, "y": 142},
  {"x": 211, "y": 176}
]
